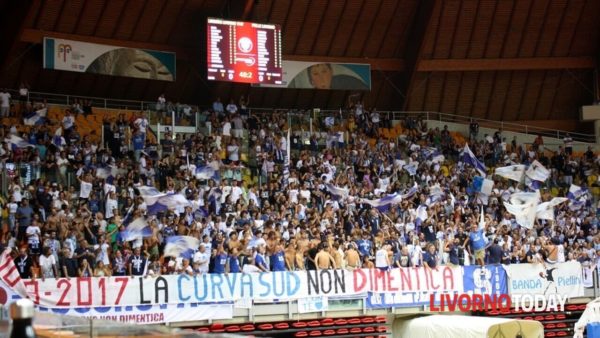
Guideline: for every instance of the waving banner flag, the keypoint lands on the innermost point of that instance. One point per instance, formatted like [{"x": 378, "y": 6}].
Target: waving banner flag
[
  {"x": 329, "y": 121},
  {"x": 337, "y": 191},
  {"x": 10, "y": 274},
  {"x": 546, "y": 210},
  {"x": 137, "y": 229},
  {"x": 150, "y": 194},
  {"x": 438, "y": 159},
  {"x": 511, "y": 172},
  {"x": 435, "y": 195},
  {"x": 19, "y": 142},
  {"x": 482, "y": 185},
  {"x": 470, "y": 158},
  {"x": 383, "y": 204},
  {"x": 168, "y": 202},
  {"x": 286, "y": 161},
  {"x": 523, "y": 206},
  {"x": 207, "y": 173},
  {"x": 537, "y": 172},
  {"x": 181, "y": 246},
  {"x": 421, "y": 214},
  {"x": 575, "y": 192},
  {"x": 106, "y": 172},
  {"x": 411, "y": 168},
  {"x": 35, "y": 118}
]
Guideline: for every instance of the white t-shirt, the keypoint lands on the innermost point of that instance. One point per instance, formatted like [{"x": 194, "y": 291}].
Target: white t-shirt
[
  {"x": 35, "y": 232},
  {"x": 4, "y": 100},
  {"x": 86, "y": 189},
  {"x": 232, "y": 108},
  {"x": 46, "y": 264},
  {"x": 381, "y": 258},
  {"x": 141, "y": 124},
  {"x": 110, "y": 205},
  {"x": 204, "y": 258},
  {"x": 226, "y": 129}
]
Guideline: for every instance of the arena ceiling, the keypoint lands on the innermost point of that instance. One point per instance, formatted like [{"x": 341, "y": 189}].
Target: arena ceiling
[{"x": 498, "y": 59}]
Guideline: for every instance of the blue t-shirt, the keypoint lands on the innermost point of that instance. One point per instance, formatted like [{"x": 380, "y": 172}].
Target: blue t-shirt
[
  {"x": 138, "y": 142},
  {"x": 260, "y": 261},
  {"x": 278, "y": 261},
  {"x": 220, "y": 263},
  {"x": 364, "y": 247},
  {"x": 477, "y": 241},
  {"x": 234, "y": 264}
]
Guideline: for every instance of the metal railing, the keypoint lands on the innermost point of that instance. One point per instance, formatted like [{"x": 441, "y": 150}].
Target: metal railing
[{"x": 66, "y": 99}]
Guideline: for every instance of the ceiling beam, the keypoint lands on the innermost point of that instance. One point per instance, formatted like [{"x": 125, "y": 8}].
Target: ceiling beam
[
  {"x": 418, "y": 32},
  {"x": 12, "y": 21},
  {"x": 37, "y": 36},
  {"x": 384, "y": 64},
  {"x": 466, "y": 65}
]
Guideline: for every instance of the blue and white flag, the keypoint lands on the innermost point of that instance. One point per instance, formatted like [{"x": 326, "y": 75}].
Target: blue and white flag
[
  {"x": 429, "y": 152},
  {"x": 168, "y": 202},
  {"x": 106, "y": 172},
  {"x": 470, "y": 158},
  {"x": 421, "y": 215},
  {"x": 37, "y": 117},
  {"x": 546, "y": 210},
  {"x": 575, "y": 192},
  {"x": 411, "y": 168},
  {"x": 329, "y": 121},
  {"x": 382, "y": 204},
  {"x": 137, "y": 229},
  {"x": 150, "y": 194},
  {"x": 511, "y": 172},
  {"x": 482, "y": 185},
  {"x": 19, "y": 142},
  {"x": 286, "y": 161},
  {"x": 207, "y": 173},
  {"x": 533, "y": 184},
  {"x": 537, "y": 172},
  {"x": 128, "y": 215},
  {"x": 340, "y": 193},
  {"x": 181, "y": 246},
  {"x": 411, "y": 192},
  {"x": 436, "y": 194}
]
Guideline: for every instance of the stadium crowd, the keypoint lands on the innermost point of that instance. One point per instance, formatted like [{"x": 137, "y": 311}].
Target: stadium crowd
[{"x": 252, "y": 216}]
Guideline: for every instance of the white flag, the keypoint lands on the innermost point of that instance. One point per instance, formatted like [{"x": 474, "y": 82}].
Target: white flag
[
  {"x": 537, "y": 172},
  {"x": 511, "y": 172},
  {"x": 546, "y": 210},
  {"x": 523, "y": 206}
]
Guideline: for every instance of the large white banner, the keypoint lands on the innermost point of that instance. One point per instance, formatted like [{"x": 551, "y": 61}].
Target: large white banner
[
  {"x": 564, "y": 279},
  {"x": 213, "y": 288},
  {"x": 85, "y": 57},
  {"x": 149, "y": 314}
]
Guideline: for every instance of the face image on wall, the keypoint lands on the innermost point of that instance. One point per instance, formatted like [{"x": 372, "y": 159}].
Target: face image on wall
[
  {"x": 85, "y": 57},
  {"x": 130, "y": 63},
  {"x": 332, "y": 76}
]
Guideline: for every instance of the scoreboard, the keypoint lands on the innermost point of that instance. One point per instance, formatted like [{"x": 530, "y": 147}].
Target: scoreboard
[{"x": 243, "y": 52}]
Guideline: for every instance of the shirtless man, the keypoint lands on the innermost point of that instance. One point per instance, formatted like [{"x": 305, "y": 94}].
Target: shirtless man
[
  {"x": 233, "y": 243},
  {"x": 271, "y": 243},
  {"x": 550, "y": 251},
  {"x": 335, "y": 253},
  {"x": 352, "y": 257},
  {"x": 290, "y": 255},
  {"x": 323, "y": 260}
]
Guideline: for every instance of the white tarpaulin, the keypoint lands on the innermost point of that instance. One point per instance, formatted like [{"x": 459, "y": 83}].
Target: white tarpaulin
[{"x": 450, "y": 326}]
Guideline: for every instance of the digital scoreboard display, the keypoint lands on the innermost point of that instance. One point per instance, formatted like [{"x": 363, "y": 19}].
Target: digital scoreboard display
[{"x": 243, "y": 52}]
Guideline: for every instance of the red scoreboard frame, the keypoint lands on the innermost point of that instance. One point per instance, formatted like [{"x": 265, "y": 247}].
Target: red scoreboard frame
[{"x": 245, "y": 52}]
